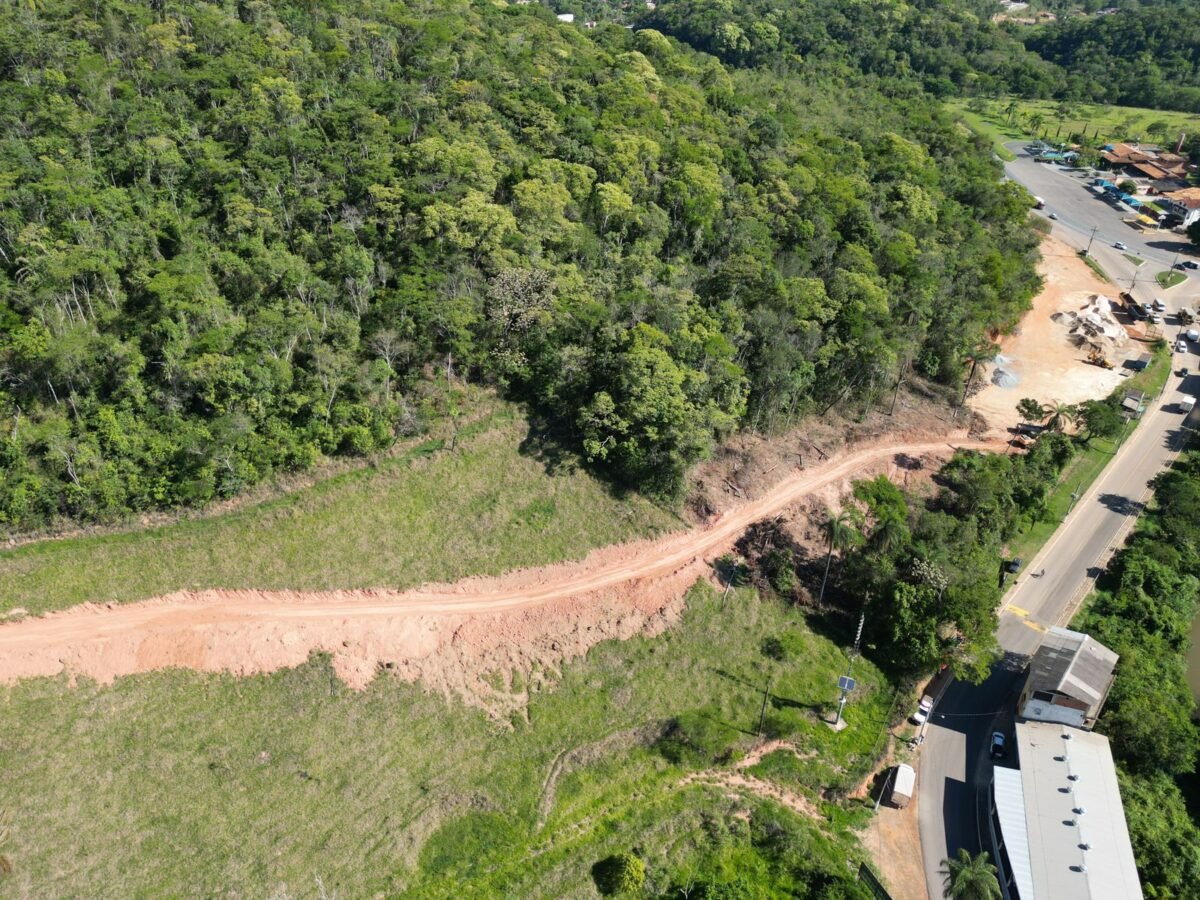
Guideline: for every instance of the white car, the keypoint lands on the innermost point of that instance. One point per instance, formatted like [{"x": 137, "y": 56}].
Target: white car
[
  {"x": 1052, "y": 216},
  {"x": 924, "y": 708},
  {"x": 1156, "y": 318},
  {"x": 1121, "y": 245},
  {"x": 1181, "y": 347},
  {"x": 1160, "y": 304}
]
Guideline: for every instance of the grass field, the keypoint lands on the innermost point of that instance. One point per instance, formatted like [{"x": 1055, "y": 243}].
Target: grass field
[
  {"x": 1136, "y": 260},
  {"x": 1095, "y": 267},
  {"x": 182, "y": 784},
  {"x": 1104, "y": 124},
  {"x": 1170, "y": 279},
  {"x": 1087, "y": 464},
  {"x": 428, "y": 514}
]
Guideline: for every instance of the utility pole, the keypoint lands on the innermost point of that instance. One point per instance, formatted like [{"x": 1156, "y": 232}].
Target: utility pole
[
  {"x": 762, "y": 713},
  {"x": 846, "y": 683},
  {"x": 1088, "y": 251}
]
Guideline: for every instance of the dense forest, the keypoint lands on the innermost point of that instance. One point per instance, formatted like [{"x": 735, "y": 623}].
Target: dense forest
[
  {"x": 237, "y": 236},
  {"x": 1142, "y": 55},
  {"x": 924, "y": 571},
  {"x": 1145, "y": 55}
]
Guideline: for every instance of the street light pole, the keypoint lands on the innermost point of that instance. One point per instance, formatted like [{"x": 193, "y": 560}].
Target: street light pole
[
  {"x": 1071, "y": 505},
  {"x": 1088, "y": 250}
]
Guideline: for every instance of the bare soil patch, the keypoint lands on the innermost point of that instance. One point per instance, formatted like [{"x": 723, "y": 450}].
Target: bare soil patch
[
  {"x": 1039, "y": 357},
  {"x": 448, "y": 637}
]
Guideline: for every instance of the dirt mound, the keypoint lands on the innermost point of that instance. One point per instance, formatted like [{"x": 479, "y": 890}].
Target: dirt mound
[
  {"x": 449, "y": 637},
  {"x": 1093, "y": 326}
]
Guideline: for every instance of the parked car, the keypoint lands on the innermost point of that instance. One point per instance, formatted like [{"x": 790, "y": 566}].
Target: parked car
[
  {"x": 1155, "y": 318},
  {"x": 1183, "y": 373},
  {"x": 998, "y": 749},
  {"x": 1121, "y": 245},
  {"x": 1189, "y": 264},
  {"x": 1193, "y": 334},
  {"x": 1160, "y": 304},
  {"x": 924, "y": 708},
  {"x": 1181, "y": 347},
  {"x": 1052, "y": 216}
]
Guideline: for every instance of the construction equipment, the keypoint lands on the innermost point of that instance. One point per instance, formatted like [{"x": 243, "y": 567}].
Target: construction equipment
[{"x": 1097, "y": 358}]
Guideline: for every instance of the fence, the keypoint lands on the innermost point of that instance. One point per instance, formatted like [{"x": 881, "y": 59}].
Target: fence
[{"x": 871, "y": 880}]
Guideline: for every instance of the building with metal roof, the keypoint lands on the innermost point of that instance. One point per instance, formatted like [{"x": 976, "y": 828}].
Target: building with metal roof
[
  {"x": 1069, "y": 679},
  {"x": 1056, "y": 826}
]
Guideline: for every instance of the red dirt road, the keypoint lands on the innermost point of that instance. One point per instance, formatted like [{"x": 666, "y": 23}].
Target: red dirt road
[{"x": 447, "y": 636}]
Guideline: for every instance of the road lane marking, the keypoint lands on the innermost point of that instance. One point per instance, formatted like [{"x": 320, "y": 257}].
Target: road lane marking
[
  {"x": 1017, "y": 611},
  {"x": 1036, "y": 626}
]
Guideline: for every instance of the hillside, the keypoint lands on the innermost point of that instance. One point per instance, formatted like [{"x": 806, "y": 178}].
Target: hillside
[{"x": 236, "y": 239}]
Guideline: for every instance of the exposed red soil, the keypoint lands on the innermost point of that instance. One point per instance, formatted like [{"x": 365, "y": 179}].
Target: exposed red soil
[{"x": 449, "y": 637}]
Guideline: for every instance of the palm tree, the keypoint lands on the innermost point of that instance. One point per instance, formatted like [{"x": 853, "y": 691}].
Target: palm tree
[
  {"x": 1060, "y": 416},
  {"x": 1035, "y": 122},
  {"x": 970, "y": 878},
  {"x": 889, "y": 535},
  {"x": 842, "y": 535},
  {"x": 980, "y": 353},
  {"x": 1011, "y": 109}
]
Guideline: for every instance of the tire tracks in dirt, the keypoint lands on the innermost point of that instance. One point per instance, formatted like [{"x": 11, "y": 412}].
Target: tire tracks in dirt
[{"x": 445, "y": 636}]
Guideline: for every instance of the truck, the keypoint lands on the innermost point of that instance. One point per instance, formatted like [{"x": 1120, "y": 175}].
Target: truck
[
  {"x": 1132, "y": 307},
  {"x": 1187, "y": 316},
  {"x": 1187, "y": 404},
  {"x": 904, "y": 783}
]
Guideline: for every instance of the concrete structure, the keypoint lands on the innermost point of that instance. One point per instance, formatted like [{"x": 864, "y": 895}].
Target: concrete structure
[
  {"x": 1068, "y": 680},
  {"x": 1056, "y": 827}
]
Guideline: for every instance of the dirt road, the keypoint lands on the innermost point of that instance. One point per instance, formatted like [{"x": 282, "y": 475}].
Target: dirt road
[{"x": 447, "y": 636}]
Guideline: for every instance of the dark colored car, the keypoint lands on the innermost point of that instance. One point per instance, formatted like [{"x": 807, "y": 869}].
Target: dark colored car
[{"x": 998, "y": 749}]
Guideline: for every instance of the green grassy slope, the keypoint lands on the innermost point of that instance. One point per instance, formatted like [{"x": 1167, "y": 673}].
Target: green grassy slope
[
  {"x": 431, "y": 514},
  {"x": 180, "y": 784}
]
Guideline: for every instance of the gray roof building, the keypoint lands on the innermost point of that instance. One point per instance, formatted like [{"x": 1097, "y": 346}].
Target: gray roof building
[
  {"x": 1068, "y": 679},
  {"x": 1056, "y": 826}
]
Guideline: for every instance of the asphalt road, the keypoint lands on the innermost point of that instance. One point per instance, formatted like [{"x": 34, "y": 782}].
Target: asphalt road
[
  {"x": 1068, "y": 195},
  {"x": 955, "y": 768}
]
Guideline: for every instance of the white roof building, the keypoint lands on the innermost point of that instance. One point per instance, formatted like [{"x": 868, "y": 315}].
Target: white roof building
[{"x": 1056, "y": 825}]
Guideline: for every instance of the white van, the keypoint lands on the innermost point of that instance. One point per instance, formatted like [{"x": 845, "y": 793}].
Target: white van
[{"x": 904, "y": 784}]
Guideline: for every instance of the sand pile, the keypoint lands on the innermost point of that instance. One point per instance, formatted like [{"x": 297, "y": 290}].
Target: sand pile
[
  {"x": 1093, "y": 326},
  {"x": 1003, "y": 374}
]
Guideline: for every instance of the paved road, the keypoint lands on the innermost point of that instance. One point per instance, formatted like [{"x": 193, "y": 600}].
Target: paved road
[
  {"x": 1068, "y": 195},
  {"x": 954, "y": 763}
]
